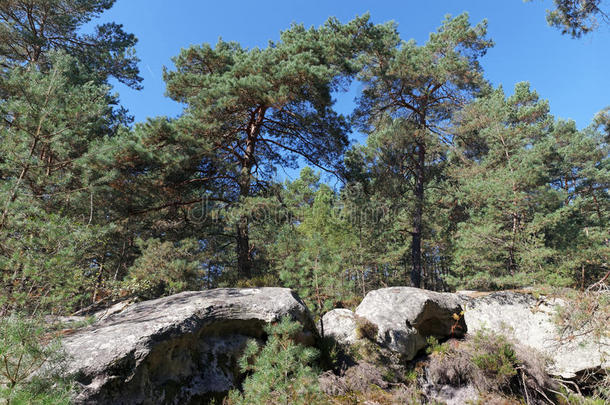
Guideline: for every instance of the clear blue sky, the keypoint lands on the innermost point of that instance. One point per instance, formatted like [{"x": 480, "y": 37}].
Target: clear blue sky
[{"x": 572, "y": 74}]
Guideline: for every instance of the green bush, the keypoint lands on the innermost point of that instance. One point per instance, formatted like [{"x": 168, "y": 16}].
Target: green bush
[
  {"x": 280, "y": 372},
  {"x": 31, "y": 364},
  {"x": 435, "y": 347},
  {"x": 177, "y": 268},
  {"x": 495, "y": 357}
]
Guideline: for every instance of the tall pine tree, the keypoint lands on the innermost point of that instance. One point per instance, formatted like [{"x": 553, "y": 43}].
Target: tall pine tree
[
  {"x": 411, "y": 93},
  {"x": 253, "y": 110}
]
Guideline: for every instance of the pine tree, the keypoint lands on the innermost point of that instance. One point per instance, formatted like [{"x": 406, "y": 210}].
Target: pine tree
[
  {"x": 503, "y": 181},
  {"x": 253, "y": 110},
  {"x": 30, "y": 29},
  {"x": 282, "y": 371},
  {"x": 49, "y": 238},
  {"x": 412, "y": 91},
  {"x": 535, "y": 194},
  {"x": 56, "y": 114},
  {"x": 377, "y": 204},
  {"x": 576, "y": 18},
  {"x": 313, "y": 257},
  {"x": 578, "y": 230}
]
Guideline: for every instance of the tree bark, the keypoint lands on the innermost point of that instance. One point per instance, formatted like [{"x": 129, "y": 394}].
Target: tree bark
[
  {"x": 244, "y": 260},
  {"x": 243, "y": 250},
  {"x": 416, "y": 269}
]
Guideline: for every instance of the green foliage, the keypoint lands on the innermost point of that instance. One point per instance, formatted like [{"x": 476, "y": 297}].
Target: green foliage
[
  {"x": 492, "y": 364},
  {"x": 311, "y": 257},
  {"x": 281, "y": 371},
  {"x": 501, "y": 186},
  {"x": 576, "y": 18},
  {"x": 31, "y": 364},
  {"x": 331, "y": 353},
  {"x": 435, "y": 347},
  {"x": 59, "y": 243},
  {"x": 522, "y": 183},
  {"x": 458, "y": 185},
  {"x": 255, "y": 110},
  {"x": 499, "y": 362},
  {"x": 48, "y": 220},
  {"x": 177, "y": 268},
  {"x": 411, "y": 94},
  {"x": 586, "y": 312},
  {"x": 30, "y": 29},
  {"x": 571, "y": 398},
  {"x": 411, "y": 376}
]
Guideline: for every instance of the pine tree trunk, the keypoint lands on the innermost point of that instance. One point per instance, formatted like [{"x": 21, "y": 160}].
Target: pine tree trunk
[
  {"x": 512, "y": 262},
  {"x": 244, "y": 261},
  {"x": 242, "y": 236},
  {"x": 416, "y": 270},
  {"x": 244, "y": 258}
]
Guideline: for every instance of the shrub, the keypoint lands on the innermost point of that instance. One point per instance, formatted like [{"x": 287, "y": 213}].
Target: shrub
[
  {"x": 493, "y": 365},
  {"x": 585, "y": 314},
  {"x": 495, "y": 357},
  {"x": 31, "y": 364},
  {"x": 584, "y": 319},
  {"x": 435, "y": 347},
  {"x": 332, "y": 355},
  {"x": 281, "y": 372}
]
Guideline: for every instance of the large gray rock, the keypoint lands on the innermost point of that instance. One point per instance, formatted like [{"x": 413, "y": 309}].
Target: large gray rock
[
  {"x": 340, "y": 324},
  {"x": 176, "y": 350},
  {"x": 529, "y": 321},
  {"x": 406, "y": 316}
]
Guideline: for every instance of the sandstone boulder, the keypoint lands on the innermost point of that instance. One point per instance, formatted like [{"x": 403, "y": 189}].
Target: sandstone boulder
[
  {"x": 406, "y": 316},
  {"x": 340, "y": 324},
  {"x": 529, "y": 321},
  {"x": 176, "y": 350}
]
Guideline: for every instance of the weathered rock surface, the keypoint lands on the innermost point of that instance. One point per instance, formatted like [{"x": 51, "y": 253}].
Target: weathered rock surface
[
  {"x": 112, "y": 310},
  {"x": 80, "y": 320},
  {"x": 406, "y": 316},
  {"x": 340, "y": 324},
  {"x": 176, "y": 350},
  {"x": 529, "y": 321}
]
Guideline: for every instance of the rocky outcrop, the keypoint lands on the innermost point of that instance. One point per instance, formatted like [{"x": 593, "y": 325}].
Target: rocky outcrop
[
  {"x": 184, "y": 349},
  {"x": 404, "y": 318},
  {"x": 529, "y": 321},
  {"x": 176, "y": 350}
]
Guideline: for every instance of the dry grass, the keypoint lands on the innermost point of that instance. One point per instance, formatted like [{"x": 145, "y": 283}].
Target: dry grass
[
  {"x": 495, "y": 366},
  {"x": 366, "y": 329}
]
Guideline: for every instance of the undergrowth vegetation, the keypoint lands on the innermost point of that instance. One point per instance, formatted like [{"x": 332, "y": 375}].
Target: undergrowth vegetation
[
  {"x": 31, "y": 362},
  {"x": 280, "y": 372},
  {"x": 495, "y": 366},
  {"x": 499, "y": 370}
]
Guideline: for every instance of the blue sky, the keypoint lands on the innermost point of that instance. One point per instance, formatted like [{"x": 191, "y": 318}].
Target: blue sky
[{"x": 571, "y": 74}]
